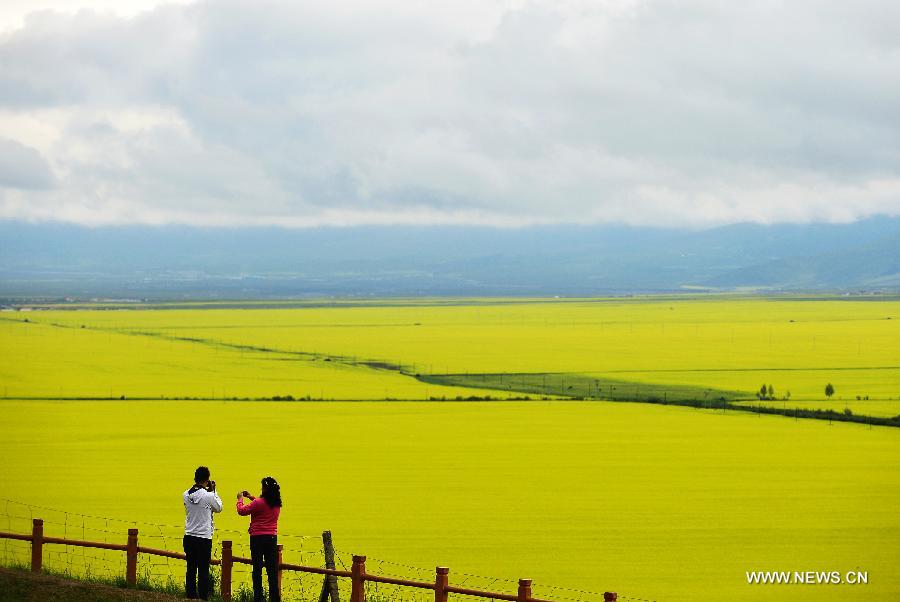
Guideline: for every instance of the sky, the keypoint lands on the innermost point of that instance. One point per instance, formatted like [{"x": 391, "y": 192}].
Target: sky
[{"x": 684, "y": 113}]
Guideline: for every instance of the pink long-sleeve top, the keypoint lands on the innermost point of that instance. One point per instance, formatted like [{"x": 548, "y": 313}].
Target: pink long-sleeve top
[{"x": 263, "y": 518}]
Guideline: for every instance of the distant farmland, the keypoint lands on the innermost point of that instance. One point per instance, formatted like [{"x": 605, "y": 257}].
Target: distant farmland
[{"x": 645, "y": 349}]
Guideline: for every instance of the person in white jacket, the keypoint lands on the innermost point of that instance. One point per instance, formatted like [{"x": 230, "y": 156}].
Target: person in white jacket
[{"x": 200, "y": 502}]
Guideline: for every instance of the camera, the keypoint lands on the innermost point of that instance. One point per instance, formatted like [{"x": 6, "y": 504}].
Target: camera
[{"x": 211, "y": 486}]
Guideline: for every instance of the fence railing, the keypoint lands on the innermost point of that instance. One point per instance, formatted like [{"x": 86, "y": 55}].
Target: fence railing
[{"x": 357, "y": 575}]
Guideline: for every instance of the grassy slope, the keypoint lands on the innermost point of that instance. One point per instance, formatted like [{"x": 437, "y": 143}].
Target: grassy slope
[
  {"x": 596, "y": 387},
  {"x": 584, "y": 386},
  {"x": 18, "y": 585}
]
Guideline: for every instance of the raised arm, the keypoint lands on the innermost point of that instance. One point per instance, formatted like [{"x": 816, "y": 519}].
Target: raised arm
[
  {"x": 243, "y": 509},
  {"x": 215, "y": 502}
]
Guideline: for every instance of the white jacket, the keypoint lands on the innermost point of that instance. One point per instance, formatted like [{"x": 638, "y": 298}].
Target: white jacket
[{"x": 199, "y": 505}]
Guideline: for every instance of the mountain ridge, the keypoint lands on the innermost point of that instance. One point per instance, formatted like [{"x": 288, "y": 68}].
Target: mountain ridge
[{"x": 176, "y": 261}]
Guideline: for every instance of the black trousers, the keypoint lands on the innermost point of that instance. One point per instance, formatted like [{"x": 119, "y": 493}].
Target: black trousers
[
  {"x": 264, "y": 552},
  {"x": 198, "y": 551}
]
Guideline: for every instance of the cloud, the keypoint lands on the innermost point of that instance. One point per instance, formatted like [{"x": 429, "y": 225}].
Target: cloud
[
  {"x": 503, "y": 113},
  {"x": 23, "y": 167}
]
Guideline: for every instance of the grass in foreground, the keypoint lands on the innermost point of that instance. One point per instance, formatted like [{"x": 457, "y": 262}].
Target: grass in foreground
[
  {"x": 17, "y": 582},
  {"x": 22, "y": 585}
]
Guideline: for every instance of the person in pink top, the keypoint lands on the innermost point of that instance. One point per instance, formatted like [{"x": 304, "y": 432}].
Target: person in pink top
[{"x": 263, "y": 512}]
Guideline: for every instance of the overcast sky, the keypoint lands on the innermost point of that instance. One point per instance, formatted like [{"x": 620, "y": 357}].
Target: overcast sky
[{"x": 678, "y": 112}]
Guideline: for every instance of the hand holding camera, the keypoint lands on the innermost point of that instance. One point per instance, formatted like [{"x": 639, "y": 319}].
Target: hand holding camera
[{"x": 211, "y": 486}]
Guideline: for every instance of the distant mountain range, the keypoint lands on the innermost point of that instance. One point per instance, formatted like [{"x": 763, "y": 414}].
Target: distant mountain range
[{"x": 180, "y": 262}]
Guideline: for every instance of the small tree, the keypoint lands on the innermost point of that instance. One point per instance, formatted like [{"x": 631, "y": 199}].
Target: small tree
[
  {"x": 771, "y": 392},
  {"x": 829, "y": 390},
  {"x": 763, "y": 392}
]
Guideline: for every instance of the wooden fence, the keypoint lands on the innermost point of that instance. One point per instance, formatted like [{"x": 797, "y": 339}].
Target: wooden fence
[{"x": 357, "y": 575}]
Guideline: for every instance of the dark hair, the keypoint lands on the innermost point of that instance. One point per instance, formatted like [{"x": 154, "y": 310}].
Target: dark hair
[
  {"x": 201, "y": 475},
  {"x": 271, "y": 492}
]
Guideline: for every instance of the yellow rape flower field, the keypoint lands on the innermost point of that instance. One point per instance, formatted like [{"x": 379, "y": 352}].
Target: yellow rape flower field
[{"x": 658, "y": 502}]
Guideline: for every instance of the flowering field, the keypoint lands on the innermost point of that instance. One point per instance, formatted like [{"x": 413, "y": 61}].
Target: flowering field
[
  {"x": 107, "y": 413},
  {"x": 375, "y": 350},
  {"x": 661, "y": 503}
]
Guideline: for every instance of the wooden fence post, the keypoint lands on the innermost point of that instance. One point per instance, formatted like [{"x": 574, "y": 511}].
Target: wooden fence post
[
  {"x": 610, "y": 596},
  {"x": 131, "y": 554},
  {"x": 524, "y": 590},
  {"x": 37, "y": 544},
  {"x": 441, "y": 581},
  {"x": 280, "y": 559},
  {"x": 225, "y": 578},
  {"x": 357, "y": 574},
  {"x": 329, "y": 584}
]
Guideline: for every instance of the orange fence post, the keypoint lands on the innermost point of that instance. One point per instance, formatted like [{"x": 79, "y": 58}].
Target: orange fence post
[
  {"x": 357, "y": 574},
  {"x": 524, "y": 590},
  {"x": 37, "y": 544},
  {"x": 280, "y": 549},
  {"x": 131, "y": 554},
  {"x": 441, "y": 580},
  {"x": 225, "y": 579},
  {"x": 442, "y": 588}
]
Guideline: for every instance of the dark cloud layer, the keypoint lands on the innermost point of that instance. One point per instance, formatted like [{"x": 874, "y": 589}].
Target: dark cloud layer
[{"x": 653, "y": 112}]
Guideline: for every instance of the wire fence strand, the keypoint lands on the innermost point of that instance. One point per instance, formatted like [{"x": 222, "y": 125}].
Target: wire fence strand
[{"x": 168, "y": 573}]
